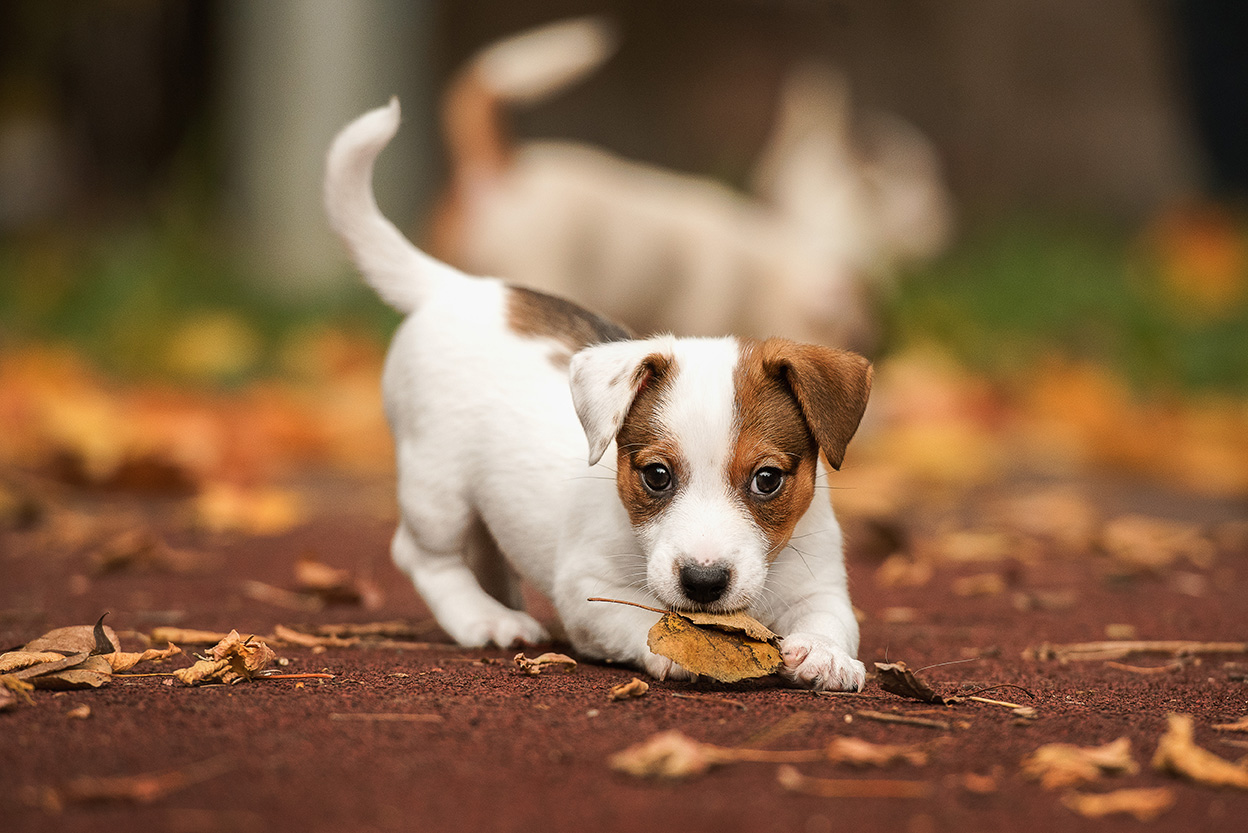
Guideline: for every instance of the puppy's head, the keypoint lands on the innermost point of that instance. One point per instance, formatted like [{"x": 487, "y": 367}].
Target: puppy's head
[{"x": 717, "y": 447}]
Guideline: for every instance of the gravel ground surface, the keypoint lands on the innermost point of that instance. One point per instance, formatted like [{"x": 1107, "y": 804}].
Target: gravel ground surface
[{"x": 482, "y": 747}]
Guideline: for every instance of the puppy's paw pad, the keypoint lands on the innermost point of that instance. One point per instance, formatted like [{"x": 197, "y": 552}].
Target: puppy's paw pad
[
  {"x": 817, "y": 663},
  {"x": 662, "y": 668}
]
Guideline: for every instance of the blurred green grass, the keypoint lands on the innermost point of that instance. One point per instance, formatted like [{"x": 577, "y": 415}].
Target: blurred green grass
[{"x": 1011, "y": 293}]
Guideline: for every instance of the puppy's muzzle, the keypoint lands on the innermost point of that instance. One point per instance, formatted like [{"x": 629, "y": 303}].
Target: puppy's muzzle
[{"x": 704, "y": 583}]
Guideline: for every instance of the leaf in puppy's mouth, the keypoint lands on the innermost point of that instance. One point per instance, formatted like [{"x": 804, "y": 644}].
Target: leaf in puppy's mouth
[{"x": 723, "y": 646}]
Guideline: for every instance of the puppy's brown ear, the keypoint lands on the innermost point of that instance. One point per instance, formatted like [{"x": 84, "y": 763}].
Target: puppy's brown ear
[
  {"x": 831, "y": 388},
  {"x": 605, "y": 380}
]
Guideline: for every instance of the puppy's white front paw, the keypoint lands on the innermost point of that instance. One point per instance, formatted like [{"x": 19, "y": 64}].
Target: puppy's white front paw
[
  {"x": 816, "y": 662},
  {"x": 662, "y": 668},
  {"x": 506, "y": 629}
]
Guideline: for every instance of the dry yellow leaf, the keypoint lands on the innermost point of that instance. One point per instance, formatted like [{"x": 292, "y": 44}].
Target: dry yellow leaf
[
  {"x": 1178, "y": 754},
  {"x": 545, "y": 662},
  {"x": 99, "y": 638},
  {"x": 17, "y": 660},
  {"x": 667, "y": 755},
  {"x": 903, "y": 571},
  {"x": 858, "y": 752},
  {"x": 1139, "y": 542},
  {"x": 91, "y": 672},
  {"x": 222, "y": 507},
  {"x": 630, "y": 690},
  {"x": 723, "y": 648},
  {"x": 980, "y": 584},
  {"x": 230, "y": 661},
  {"x": 790, "y": 779},
  {"x": 81, "y": 712},
  {"x": 187, "y": 636},
  {"x": 1144, "y": 803},
  {"x": 124, "y": 661},
  {"x": 1057, "y": 765}
]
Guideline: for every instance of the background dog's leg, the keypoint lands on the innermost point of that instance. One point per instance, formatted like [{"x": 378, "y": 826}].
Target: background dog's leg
[{"x": 471, "y": 616}]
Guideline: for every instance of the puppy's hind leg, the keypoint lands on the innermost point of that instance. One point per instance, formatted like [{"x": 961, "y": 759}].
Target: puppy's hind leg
[{"x": 469, "y": 615}]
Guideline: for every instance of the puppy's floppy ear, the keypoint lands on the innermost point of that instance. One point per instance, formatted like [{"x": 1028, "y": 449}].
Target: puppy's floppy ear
[
  {"x": 605, "y": 378},
  {"x": 831, "y": 388}
]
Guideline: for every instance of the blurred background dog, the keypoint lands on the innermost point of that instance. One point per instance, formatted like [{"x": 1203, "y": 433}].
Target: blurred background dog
[{"x": 840, "y": 202}]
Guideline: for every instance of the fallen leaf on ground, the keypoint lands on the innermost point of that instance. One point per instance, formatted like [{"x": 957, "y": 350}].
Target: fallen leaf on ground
[
  {"x": 1142, "y": 543},
  {"x": 93, "y": 639},
  {"x": 896, "y": 678},
  {"x": 230, "y": 661},
  {"x": 858, "y": 752},
  {"x": 981, "y": 584},
  {"x": 545, "y": 662},
  {"x": 12, "y": 690},
  {"x": 81, "y": 712},
  {"x": 17, "y": 660},
  {"x": 793, "y": 781},
  {"x": 91, "y": 672},
  {"x": 307, "y": 640},
  {"x": 1057, "y": 765},
  {"x": 726, "y": 648},
  {"x": 1240, "y": 725},
  {"x": 667, "y": 755},
  {"x": 333, "y": 585},
  {"x": 903, "y": 571},
  {"x": 1178, "y": 754},
  {"x": 143, "y": 549},
  {"x": 630, "y": 690},
  {"x": 142, "y": 789},
  {"x": 124, "y": 661},
  {"x": 1144, "y": 803},
  {"x": 1062, "y": 515},
  {"x": 187, "y": 636}
]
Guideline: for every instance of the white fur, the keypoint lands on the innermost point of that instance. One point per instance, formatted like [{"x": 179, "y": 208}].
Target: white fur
[{"x": 492, "y": 479}]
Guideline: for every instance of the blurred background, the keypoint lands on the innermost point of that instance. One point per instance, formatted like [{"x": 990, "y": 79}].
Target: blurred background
[{"x": 173, "y": 304}]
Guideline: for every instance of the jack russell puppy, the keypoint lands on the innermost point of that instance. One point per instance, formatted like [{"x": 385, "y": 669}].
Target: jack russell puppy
[{"x": 705, "y": 478}]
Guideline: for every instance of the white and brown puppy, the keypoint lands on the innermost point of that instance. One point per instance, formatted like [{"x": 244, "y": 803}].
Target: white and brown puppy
[{"x": 704, "y": 458}]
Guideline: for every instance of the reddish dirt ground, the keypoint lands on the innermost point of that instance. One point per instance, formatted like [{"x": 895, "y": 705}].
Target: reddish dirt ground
[{"x": 501, "y": 751}]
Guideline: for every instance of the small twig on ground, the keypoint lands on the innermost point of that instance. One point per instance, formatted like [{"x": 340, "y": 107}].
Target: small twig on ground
[
  {"x": 715, "y": 697},
  {"x": 1117, "y": 649},
  {"x": 971, "y": 696},
  {"x": 1146, "y": 669},
  {"x": 307, "y": 676},
  {"x": 886, "y": 717},
  {"x": 387, "y": 717},
  {"x": 794, "y": 781}
]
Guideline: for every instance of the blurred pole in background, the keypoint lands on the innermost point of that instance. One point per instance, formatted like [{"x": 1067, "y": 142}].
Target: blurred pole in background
[{"x": 293, "y": 73}]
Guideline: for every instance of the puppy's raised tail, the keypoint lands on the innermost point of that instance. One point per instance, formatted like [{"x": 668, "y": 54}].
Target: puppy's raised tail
[{"x": 400, "y": 273}]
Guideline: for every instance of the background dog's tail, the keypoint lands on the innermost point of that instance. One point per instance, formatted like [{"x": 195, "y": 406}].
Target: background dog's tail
[
  {"x": 521, "y": 69},
  {"x": 400, "y": 273}
]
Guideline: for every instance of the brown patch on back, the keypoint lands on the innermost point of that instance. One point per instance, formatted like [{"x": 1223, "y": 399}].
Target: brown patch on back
[
  {"x": 537, "y": 315},
  {"x": 771, "y": 431},
  {"x": 643, "y": 441}
]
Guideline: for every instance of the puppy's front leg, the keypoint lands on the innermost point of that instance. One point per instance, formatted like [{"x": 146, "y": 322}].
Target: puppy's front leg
[{"x": 612, "y": 632}]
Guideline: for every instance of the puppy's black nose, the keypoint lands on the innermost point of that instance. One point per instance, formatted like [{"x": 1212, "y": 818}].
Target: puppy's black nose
[{"x": 704, "y": 584}]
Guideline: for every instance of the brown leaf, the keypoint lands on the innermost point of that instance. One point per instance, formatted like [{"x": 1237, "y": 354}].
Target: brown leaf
[
  {"x": 12, "y": 690},
  {"x": 667, "y": 755},
  {"x": 1179, "y": 755},
  {"x": 1145, "y": 804},
  {"x": 92, "y": 672},
  {"x": 187, "y": 636},
  {"x": 17, "y": 660},
  {"x": 1057, "y": 765},
  {"x": 123, "y": 661},
  {"x": 230, "y": 661},
  {"x": 858, "y": 752},
  {"x": 1145, "y": 544},
  {"x": 724, "y": 648},
  {"x": 333, "y": 585},
  {"x": 52, "y": 667},
  {"x": 79, "y": 712},
  {"x": 545, "y": 662},
  {"x": 142, "y": 789},
  {"x": 630, "y": 690},
  {"x": 1240, "y": 725},
  {"x": 896, "y": 678},
  {"x": 307, "y": 640},
  {"x": 793, "y": 781},
  {"x": 903, "y": 571},
  {"x": 93, "y": 639},
  {"x": 140, "y": 548},
  {"x": 980, "y": 584}
]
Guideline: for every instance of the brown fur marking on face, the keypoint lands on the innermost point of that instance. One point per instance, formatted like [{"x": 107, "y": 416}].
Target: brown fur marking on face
[
  {"x": 771, "y": 431},
  {"x": 831, "y": 388},
  {"x": 537, "y": 315},
  {"x": 642, "y": 440}
]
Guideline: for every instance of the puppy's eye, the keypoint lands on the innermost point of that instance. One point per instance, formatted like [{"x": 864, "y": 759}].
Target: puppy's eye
[
  {"x": 656, "y": 477},
  {"x": 767, "y": 481}
]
